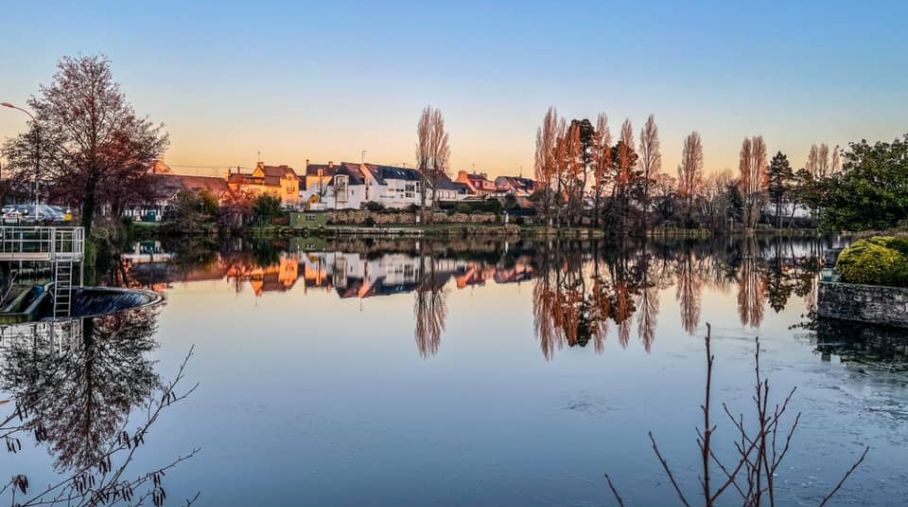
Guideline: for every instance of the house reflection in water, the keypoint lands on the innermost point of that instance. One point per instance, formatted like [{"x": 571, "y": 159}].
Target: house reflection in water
[
  {"x": 582, "y": 293},
  {"x": 278, "y": 277}
]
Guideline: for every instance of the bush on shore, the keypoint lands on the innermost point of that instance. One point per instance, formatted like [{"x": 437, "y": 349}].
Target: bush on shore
[{"x": 880, "y": 260}]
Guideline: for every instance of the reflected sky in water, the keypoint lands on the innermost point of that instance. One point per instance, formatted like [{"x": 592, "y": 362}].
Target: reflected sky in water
[{"x": 477, "y": 372}]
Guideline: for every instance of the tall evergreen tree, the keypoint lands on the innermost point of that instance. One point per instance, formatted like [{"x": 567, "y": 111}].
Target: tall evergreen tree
[{"x": 780, "y": 177}]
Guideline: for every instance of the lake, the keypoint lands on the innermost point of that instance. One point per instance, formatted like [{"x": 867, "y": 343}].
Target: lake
[{"x": 463, "y": 372}]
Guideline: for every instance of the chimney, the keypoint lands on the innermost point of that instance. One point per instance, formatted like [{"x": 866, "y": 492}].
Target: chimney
[
  {"x": 307, "y": 164},
  {"x": 330, "y": 164}
]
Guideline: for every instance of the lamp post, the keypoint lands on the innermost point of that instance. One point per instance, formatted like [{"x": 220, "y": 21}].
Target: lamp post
[{"x": 37, "y": 149}]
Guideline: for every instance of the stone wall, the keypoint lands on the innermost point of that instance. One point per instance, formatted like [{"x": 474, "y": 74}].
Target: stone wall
[
  {"x": 863, "y": 303},
  {"x": 358, "y": 217}
]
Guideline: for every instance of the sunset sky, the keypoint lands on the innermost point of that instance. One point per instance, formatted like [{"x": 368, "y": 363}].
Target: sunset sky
[{"x": 326, "y": 80}]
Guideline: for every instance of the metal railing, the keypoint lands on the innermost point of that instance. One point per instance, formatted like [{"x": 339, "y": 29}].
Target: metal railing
[{"x": 42, "y": 243}]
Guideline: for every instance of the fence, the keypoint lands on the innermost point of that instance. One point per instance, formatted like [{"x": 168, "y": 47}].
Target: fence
[{"x": 42, "y": 243}]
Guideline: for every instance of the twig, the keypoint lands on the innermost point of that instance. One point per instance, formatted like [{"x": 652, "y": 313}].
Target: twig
[
  {"x": 614, "y": 491},
  {"x": 668, "y": 470},
  {"x": 845, "y": 477}
]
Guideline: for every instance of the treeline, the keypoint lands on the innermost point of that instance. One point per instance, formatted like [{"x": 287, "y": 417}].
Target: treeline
[
  {"x": 587, "y": 178},
  {"x": 194, "y": 212}
]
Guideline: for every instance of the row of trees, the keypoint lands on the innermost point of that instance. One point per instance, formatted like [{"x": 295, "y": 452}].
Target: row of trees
[{"x": 585, "y": 177}]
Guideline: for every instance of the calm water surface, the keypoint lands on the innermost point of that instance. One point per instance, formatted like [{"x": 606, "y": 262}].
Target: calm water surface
[{"x": 469, "y": 373}]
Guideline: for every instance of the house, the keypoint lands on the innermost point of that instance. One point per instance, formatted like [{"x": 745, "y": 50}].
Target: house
[
  {"x": 279, "y": 181},
  {"x": 329, "y": 186},
  {"x": 478, "y": 183},
  {"x": 393, "y": 187},
  {"x": 517, "y": 186},
  {"x": 447, "y": 190},
  {"x": 166, "y": 186}
]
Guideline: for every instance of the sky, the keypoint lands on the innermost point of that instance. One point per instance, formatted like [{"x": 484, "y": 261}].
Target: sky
[{"x": 325, "y": 81}]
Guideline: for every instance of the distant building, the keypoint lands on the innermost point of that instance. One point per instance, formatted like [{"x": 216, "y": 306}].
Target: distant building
[
  {"x": 165, "y": 188},
  {"x": 329, "y": 186},
  {"x": 393, "y": 187},
  {"x": 478, "y": 183},
  {"x": 517, "y": 186},
  {"x": 279, "y": 181},
  {"x": 447, "y": 190}
]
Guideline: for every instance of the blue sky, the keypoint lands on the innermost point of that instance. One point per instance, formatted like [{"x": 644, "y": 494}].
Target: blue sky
[{"x": 323, "y": 81}]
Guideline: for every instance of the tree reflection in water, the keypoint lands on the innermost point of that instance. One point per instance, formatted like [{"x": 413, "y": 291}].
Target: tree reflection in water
[
  {"x": 75, "y": 385},
  {"x": 79, "y": 397},
  {"x": 430, "y": 309},
  {"x": 751, "y": 285},
  {"x": 578, "y": 293},
  {"x": 688, "y": 288},
  {"x": 582, "y": 290}
]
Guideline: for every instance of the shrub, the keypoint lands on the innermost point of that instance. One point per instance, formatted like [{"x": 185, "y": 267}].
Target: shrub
[
  {"x": 369, "y": 222},
  {"x": 880, "y": 260},
  {"x": 374, "y": 206},
  {"x": 266, "y": 208},
  {"x": 464, "y": 208}
]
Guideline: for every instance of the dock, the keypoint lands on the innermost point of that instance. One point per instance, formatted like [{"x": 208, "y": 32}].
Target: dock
[{"x": 61, "y": 247}]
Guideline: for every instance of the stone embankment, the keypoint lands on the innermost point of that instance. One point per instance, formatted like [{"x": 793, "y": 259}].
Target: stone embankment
[{"x": 871, "y": 304}]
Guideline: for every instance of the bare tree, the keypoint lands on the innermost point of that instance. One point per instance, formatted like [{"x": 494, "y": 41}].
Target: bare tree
[
  {"x": 95, "y": 149},
  {"x": 813, "y": 161},
  {"x": 759, "y": 450},
  {"x": 823, "y": 161},
  {"x": 650, "y": 160},
  {"x": 836, "y": 164},
  {"x": 752, "y": 168},
  {"x": 602, "y": 159},
  {"x": 690, "y": 171},
  {"x": 546, "y": 141},
  {"x": 432, "y": 154}
]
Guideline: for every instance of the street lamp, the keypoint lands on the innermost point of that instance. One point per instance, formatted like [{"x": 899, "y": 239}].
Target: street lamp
[{"x": 37, "y": 149}]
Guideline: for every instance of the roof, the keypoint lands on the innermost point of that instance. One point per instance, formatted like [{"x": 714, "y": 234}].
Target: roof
[
  {"x": 476, "y": 180},
  {"x": 166, "y": 185},
  {"x": 518, "y": 182},
  {"x": 387, "y": 172},
  {"x": 447, "y": 184},
  {"x": 347, "y": 168},
  {"x": 213, "y": 184},
  {"x": 274, "y": 173}
]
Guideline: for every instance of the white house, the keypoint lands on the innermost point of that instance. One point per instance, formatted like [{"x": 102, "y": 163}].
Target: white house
[
  {"x": 329, "y": 186},
  {"x": 393, "y": 187}
]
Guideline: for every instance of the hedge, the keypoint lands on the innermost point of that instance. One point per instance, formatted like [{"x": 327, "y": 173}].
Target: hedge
[{"x": 880, "y": 260}]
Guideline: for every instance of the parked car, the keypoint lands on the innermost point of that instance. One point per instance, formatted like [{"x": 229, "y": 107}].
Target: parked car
[{"x": 11, "y": 215}]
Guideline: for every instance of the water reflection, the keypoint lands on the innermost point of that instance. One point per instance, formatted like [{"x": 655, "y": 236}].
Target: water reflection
[
  {"x": 76, "y": 382},
  {"x": 877, "y": 349},
  {"x": 582, "y": 292}
]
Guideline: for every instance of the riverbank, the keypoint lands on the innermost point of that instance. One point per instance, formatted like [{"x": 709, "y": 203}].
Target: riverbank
[{"x": 440, "y": 230}]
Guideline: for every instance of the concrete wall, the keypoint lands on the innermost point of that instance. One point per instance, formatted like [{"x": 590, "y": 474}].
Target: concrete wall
[{"x": 863, "y": 303}]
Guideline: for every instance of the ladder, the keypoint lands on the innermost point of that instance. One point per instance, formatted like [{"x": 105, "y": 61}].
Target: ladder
[{"x": 63, "y": 288}]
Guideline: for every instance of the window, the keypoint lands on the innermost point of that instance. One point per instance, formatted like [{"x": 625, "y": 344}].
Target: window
[
  {"x": 310, "y": 217},
  {"x": 340, "y": 188}
]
